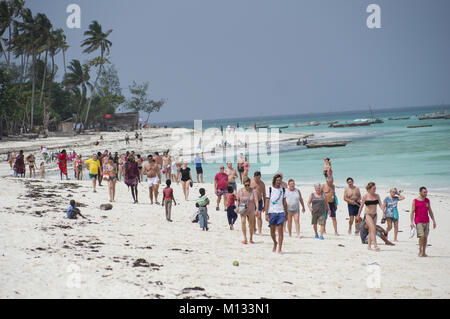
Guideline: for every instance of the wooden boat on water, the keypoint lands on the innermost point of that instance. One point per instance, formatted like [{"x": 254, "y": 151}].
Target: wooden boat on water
[
  {"x": 350, "y": 124},
  {"x": 327, "y": 144},
  {"x": 434, "y": 116},
  {"x": 416, "y": 126},
  {"x": 399, "y": 118}
]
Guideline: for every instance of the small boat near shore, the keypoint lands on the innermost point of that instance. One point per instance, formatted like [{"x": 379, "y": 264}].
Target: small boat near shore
[
  {"x": 327, "y": 144},
  {"x": 416, "y": 126},
  {"x": 399, "y": 118},
  {"x": 434, "y": 116},
  {"x": 350, "y": 124}
]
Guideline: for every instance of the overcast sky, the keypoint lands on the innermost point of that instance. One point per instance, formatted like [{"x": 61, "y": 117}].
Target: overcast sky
[{"x": 232, "y": 58}]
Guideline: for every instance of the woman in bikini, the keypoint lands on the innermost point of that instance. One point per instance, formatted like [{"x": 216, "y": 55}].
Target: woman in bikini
[
  {"x": 78, "y": 165},
  {"x": 246, "y": 166},
  {"x": 111, "y": 171},
  {"x": 371, "y": 200},
  {"x": 247, "y": 195}
]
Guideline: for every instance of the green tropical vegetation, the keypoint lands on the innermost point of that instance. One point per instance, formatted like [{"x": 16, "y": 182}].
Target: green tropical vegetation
[{"x": 35, "y": 96}]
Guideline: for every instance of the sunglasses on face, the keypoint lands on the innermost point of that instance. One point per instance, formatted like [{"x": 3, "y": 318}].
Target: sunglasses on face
[{"x": 246, "y": 185}]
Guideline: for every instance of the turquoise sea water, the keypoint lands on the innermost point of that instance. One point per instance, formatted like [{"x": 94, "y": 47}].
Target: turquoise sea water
[{"x": 389, "y": 153}]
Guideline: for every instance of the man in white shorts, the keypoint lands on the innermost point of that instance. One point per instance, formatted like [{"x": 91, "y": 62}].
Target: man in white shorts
[{"x": 153, "y": 173}]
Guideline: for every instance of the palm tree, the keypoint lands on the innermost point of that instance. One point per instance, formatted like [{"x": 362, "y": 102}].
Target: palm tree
[
  {"x": 9, "y": 10},
  {"x": 78, "y": 77},
  {"x": 96, "y": 39}
]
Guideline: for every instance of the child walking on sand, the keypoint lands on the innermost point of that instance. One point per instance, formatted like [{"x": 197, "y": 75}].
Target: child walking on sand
[
  {"x": 201, "y": 203},
  {"x": 167, "y": 200}
]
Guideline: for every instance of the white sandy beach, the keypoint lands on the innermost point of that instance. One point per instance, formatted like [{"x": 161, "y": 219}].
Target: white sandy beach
[{"x": 43, "y": 254}]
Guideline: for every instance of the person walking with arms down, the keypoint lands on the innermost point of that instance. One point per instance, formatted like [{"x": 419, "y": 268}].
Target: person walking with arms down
[
  {"x": 293, "y": 201},
  {"x": 246, "y": 204},
  {"x": 167, "y": 200},
  {"x": 420, "y": 219},
  {"x": 275, "y": 208},
  {"x": 201, "y": 203},
  {"x": 318, "y": 206},
  {"x": 371, "y": 200},
  {"x": 352, "y": 195}
]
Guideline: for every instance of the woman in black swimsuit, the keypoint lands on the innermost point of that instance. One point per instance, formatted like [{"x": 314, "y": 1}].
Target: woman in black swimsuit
[
  {"x": 186, "y": 179},
  {"x": 371, "y": 200}
]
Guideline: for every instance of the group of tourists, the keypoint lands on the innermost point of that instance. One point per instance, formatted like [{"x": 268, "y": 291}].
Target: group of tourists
[{"x": 279, "y": 204}]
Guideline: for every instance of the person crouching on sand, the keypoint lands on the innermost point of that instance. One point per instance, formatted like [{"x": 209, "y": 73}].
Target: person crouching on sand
[
  {"x": 275, "y": 208},
  {"x": 420, "y": 218},
  {"x": 364, "y": 233},
  {"x": 201, "y": 203},
  {"x": 167, "y": 200}
]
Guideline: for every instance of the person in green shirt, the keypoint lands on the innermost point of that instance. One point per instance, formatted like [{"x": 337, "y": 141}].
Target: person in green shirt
[
  {"x": 94, "y": 167},
  {"x": 201, "y": 203}
]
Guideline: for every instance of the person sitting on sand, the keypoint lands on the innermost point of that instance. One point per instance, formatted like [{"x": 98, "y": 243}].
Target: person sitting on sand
[
  {"x": 421, "y": 208},
  {"x": 390, "y": 206},
  {"x": 371, "y": 200},
  {"x": 201, "y": 203},
  {"x": 364, "y": 233},
  {"x": 73, "y": 212},
  {"x": 42, "y": 170},
  {"x": 275, "y": 207},
  {"x": 167, "y": 200}
]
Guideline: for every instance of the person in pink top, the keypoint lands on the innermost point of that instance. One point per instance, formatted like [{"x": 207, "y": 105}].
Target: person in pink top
[
  {"x": 420, "y": 216},
  {"x": 221, "y": 186}
]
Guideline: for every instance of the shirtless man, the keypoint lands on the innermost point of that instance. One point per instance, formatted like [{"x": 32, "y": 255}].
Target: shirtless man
[
  {"x": 258, "y": 185},
  {"x": 166, "y": 162},
  {"x": 31, "y": 164},
  {"x": 352, "y": 196},
  {"x": 151, "y": 169},
  {"x": 327, "y": 172},
  {"x": 232, "y": 175},
  {"x": 240, "y": 161},
  {"x": 328, "y": 190},
  {"x": 158, "y": 160}
]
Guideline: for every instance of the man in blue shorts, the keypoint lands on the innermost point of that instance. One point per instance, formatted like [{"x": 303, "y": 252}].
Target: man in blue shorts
[
  {"x": 352, "y": 195},
  {"x": 275, "y": 208}
]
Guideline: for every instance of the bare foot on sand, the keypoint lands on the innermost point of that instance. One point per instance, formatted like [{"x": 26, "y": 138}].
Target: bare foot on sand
[
  {"x": 245, "y": 242},
  {"x": 274, "y": 247}
]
